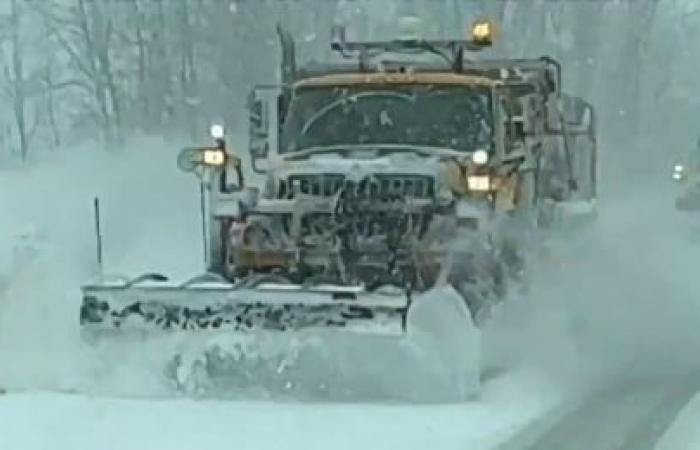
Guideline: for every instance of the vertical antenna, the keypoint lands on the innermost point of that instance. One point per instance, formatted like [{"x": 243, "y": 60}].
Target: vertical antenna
[
  {"x": 203, "y": 211},
  {"x": 98, "y": 235}
]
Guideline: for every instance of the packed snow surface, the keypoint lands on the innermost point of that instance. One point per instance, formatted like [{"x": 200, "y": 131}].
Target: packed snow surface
[
  {"x": 50, "y": 249},
  {"x": 48, "y": 421}
]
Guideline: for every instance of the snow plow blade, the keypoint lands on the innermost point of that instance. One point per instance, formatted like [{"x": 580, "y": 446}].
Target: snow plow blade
[
  {"x": 150, "y": 303},
  {"x": 289, "y": 339}
]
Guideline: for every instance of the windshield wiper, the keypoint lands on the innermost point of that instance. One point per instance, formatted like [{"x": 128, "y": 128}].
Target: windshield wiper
[
  {"x": 352, "y": 99},
  {"x": 423, "y": 150},
  {"x": 317, "y": 150}
]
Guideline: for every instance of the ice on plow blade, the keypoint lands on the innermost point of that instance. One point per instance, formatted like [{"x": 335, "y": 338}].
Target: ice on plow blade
[{"x": 282, "y": 340}]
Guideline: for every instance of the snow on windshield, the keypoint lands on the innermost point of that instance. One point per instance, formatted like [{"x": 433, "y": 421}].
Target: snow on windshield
[{"x": 457, "y": 117}]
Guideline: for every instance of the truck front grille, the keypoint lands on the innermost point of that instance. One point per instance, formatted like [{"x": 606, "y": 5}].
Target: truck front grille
[{"x": 417, "y": 186}]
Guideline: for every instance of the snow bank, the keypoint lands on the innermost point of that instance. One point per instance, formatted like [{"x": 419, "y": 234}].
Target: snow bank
[{"x": 150, "y": 213}]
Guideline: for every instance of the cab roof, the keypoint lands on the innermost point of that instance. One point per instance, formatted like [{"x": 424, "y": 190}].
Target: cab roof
[
  {"x": 543, "y": 72},
  {"x": 384, "y": 78}
]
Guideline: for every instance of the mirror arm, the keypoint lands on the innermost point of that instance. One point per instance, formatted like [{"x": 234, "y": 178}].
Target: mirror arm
[{"x": 239, "y": 174}]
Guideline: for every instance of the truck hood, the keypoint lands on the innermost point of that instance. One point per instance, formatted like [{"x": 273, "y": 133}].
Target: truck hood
[{"x": 358, "y": 168}]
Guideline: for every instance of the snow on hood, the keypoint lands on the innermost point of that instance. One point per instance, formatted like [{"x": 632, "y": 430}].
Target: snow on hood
[{"x": 406, "y": 163}]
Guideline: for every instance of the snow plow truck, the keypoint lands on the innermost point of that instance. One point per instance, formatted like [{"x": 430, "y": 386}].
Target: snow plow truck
[{"x": 386, "y": 200}]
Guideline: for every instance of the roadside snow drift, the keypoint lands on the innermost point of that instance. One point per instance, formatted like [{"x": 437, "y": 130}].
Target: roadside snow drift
[{"x": 47, "y": 249}]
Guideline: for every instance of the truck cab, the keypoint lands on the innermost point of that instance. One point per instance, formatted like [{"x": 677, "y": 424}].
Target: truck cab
[{"x": 399, "y": 140}]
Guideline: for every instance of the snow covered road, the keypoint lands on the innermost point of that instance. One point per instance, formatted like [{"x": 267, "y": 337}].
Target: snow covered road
[
  {"x": 49, "y": 421},
  {"x": 624, "y": 416}
]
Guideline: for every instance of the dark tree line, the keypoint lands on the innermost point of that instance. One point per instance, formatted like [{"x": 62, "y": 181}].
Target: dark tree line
[{"x": 78, "y": 69}]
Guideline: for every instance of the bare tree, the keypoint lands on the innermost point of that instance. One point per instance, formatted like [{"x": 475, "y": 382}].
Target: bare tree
[
  {"x": 85, "y": 31},
  {"x": 635, "y": 51},
  {"x": 50, "y": 87},
  {"x": 161, "y": 66},
  {"x": 20, "y": 84}
]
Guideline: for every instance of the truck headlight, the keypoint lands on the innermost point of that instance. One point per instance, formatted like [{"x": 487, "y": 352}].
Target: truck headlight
[
  {"x": 214, "y": 157},
  {"x": 482, "y": 32},
  {"x": 678, "y": 172},
  {"x": 480, "y": 157},
  {"x": 217, "y": 131},
  {"x": 479, "y": 183}
]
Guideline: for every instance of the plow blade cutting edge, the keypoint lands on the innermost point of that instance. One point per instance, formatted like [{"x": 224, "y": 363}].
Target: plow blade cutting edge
[{"x": 435, "y": 325}]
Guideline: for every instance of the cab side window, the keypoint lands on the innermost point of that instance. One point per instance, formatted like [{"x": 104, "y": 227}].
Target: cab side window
[{"x": 513, "y": 121}]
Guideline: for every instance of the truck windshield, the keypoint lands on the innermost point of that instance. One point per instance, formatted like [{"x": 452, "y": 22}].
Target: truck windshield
[{"x": 456, "y": 117}]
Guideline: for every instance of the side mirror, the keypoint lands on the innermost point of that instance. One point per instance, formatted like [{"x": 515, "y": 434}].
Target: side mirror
[
  {"x": 191, "y": 159},
  {"x": 572, "y": 114},
  {"x": 214, "y": 161},
  {"x": 577, "y": 114},
  {"x": 567, "y": 106},
  {"x": 515, "y": 135},
  {"x": 259, "y": 124},
  {"x": 553, "y": 119},
  {"x": 258, "y": 114},
  {"x": 338, "y": 37}
]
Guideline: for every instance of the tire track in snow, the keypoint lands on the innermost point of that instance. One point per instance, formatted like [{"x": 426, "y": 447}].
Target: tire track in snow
[{"x": 630, "y": 415}]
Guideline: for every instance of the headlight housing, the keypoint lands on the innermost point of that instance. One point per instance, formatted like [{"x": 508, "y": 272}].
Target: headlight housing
[
  {"x": 214, "y": 157},
  {"x": 479, "y": 183}
]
